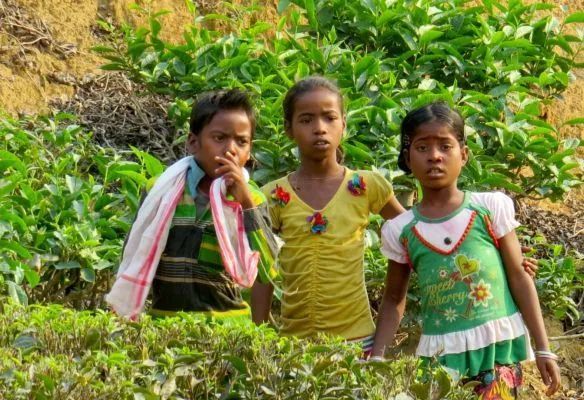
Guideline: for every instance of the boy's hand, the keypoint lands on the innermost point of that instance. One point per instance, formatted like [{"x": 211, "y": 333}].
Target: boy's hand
[
  {"x": 550, "y": 374},
  {"x": 234, "y": 180}
]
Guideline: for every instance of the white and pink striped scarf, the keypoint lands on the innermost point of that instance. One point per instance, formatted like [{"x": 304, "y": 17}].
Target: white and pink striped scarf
[{"x": 149, "y": 233}]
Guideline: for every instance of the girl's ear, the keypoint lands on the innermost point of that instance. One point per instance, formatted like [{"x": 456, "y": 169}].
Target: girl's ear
[
  {"x": 464, "y": 152},
  {"x": 344, "y": 124}
]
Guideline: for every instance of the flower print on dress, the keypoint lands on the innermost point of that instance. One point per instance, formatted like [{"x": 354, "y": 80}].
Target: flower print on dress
[
  {"x": 280, "y": 196},
  {"x": 318, "y": 223},
  {"x": 498, "y": 384},
  {"x": 357, "y": 185},
  {"x": 511, "y": 375},
  {"x": 450, "y": 314},
  {"x": 480, "y": 293}
]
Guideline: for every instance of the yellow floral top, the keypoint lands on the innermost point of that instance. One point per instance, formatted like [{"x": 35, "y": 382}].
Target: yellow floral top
[{"x": 322, "y": 259}]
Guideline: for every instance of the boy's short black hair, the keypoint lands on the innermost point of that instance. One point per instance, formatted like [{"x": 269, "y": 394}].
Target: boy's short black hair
[{"x": 208, "y": 104}]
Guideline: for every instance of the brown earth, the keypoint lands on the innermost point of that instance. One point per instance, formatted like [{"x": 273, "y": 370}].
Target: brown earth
[
  {"x": 35, "y": 71},
  {"x": 27, "y": 73}
]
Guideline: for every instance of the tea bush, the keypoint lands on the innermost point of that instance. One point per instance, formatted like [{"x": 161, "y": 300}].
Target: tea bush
[
  {"x": 560, "y": 280},
  {"x": 498, "y": 62},
  {"x": 50, "y": 352},
  {"x": 65, "y": 207}
]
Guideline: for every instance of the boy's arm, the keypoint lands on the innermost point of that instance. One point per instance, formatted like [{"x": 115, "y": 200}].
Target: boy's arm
[
  {"x": 258, "y": 228},
  {"x": 262, "y": 239},
  {"x": 392, "y": 306},
  {"x": 525, "y": 295},
  {"x": 261, "y": 302}
]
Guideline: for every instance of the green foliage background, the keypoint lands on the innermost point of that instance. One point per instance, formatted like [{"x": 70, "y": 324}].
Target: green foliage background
[{"x": 496, "y": 63}]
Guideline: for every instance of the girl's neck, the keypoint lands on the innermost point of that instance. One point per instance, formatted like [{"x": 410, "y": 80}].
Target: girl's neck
[
  {"x": 319, "y": 168},
  {"x": 438, "y": 203}
]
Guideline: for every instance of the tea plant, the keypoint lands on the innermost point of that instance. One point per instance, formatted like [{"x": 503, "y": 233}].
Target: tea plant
[
  {"x": 65, "y": 207},
  {"x": 560, "y": 280},
  {"x": 499, "y": 63},
  {"x": 53, "y": 352}
]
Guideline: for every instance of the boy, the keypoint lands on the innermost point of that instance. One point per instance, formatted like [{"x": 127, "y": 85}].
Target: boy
[{"x": 190, "y": 275}]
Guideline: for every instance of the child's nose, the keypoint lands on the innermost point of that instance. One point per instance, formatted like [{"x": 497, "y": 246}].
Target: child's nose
[
  {"x": 230, "y": 146},
  {"x": 319, "y": 126},
  {"x": 434, "y": 154}
]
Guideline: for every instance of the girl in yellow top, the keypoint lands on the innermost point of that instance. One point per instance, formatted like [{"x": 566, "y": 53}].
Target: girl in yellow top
[{"x": 321, "y": 212}]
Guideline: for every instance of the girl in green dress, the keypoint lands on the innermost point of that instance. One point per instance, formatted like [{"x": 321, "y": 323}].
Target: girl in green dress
[{"x": 479, "y": 306}]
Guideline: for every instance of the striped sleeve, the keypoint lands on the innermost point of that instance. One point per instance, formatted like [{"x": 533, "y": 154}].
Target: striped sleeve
[{"x": 258, "y": 228}]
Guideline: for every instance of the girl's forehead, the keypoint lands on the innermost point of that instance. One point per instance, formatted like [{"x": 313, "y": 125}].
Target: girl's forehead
[
  {"x": 433, "y": 130},
  {"x": 318, "y": 99}
]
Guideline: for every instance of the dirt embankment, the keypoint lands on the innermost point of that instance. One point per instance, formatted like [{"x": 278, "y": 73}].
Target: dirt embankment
[
  {"x": 45, "y": 48},
  {"x": 45, "y": 45}
]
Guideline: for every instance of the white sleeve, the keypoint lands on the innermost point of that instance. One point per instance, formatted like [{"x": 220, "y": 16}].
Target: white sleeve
[
  {"x": 391, "y": 247},
  {"x": 502, "y": 211}
]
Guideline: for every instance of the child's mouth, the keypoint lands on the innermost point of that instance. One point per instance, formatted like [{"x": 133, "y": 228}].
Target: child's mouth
[
  {"x": 321, "y": 144},
  {"x": 435, "y": 172}
]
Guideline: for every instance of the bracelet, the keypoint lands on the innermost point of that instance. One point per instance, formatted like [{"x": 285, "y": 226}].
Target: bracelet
[{"x": 546, "y": 354}]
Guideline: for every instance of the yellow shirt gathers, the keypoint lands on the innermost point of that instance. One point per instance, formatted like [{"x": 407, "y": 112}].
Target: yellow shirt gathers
[{"x": 322, "y": 259}]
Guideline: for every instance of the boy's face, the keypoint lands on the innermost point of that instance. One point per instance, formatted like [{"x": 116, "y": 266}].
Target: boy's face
[{"x": 228, "y": 131}]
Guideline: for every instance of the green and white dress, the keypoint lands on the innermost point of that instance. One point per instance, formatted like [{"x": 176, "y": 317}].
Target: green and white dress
[{"x": 471, "y": 323}]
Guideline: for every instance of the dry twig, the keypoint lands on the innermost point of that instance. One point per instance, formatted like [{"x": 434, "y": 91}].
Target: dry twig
[
  {"x": 121, "y": 113},
  {"x": 27, "y": 31}
]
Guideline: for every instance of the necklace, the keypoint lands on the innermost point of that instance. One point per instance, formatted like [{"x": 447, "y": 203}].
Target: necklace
[{"x": 295, "y": 181}]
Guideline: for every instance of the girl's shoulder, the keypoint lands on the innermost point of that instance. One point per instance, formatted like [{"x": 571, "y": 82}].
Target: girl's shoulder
[
  {"x": 277, "y": 191},
  {"x": 395, "y": 226},
  {"x": 376, "y": 189},
  {"x": 500, "y": 208},
  {"x": 270, "y": 186},
  {"x": 374, "y": 176},
  {"x": 494, "y": 202}
]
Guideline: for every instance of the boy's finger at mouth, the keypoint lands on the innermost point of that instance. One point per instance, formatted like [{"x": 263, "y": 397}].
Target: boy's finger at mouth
[{"x": 222, "y": 160}]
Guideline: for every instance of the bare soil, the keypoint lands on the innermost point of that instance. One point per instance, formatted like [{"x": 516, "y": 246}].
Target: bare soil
[{"x": 33, "y": 34}]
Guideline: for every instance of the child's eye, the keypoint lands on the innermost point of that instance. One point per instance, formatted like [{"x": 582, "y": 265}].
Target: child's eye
[
  {"x": 242, "y": 142},
  {"x": 304, "y": 120},
  {"x": 421, "y": 147},
  {"x": 219, "y": 138},
  {"x": 447, "y": 146}
]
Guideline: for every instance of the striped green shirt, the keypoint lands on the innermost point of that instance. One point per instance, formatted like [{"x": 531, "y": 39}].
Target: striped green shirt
[{"x": 190, "y": 274}]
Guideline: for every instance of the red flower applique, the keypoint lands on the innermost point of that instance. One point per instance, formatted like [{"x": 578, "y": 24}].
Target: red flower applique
[
  {"x": 280, "y": 196},
  {"x": 318, "y": 223}
]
